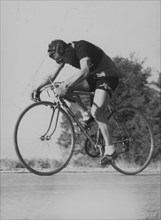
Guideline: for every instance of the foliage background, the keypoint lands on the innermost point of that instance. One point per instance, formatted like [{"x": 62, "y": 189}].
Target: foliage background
[{"x": 136, "y": 90}]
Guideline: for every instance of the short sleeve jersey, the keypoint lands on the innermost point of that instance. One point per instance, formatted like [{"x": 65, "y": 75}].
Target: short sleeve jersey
[{"x": 85, "y": 49}]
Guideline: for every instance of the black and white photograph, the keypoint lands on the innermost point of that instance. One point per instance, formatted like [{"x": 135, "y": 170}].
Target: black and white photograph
[{"x": 80, "y": 110}]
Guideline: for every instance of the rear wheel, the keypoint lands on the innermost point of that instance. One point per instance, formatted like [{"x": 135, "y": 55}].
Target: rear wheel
[
  {"x": 133, "y": 140},
  {"x": 43, "y": 142}
]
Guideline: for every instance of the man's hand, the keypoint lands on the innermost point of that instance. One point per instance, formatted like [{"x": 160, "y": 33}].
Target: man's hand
[
  {"x": 62, "y": 90},
  {"x": 35, "y": 95}
]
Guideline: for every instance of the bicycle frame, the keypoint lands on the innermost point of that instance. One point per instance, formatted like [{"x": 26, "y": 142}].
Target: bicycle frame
[
  {"x": 126, "y": 124},
  {"x": 112, "y": 109},
  {"x": 72, "y": 115},
  {"x": 61, "y": 103}
]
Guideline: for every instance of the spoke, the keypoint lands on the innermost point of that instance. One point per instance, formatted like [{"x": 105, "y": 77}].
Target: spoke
[
  {"x": 135, "y": 150},
  {"x": 41, "y": 152}
]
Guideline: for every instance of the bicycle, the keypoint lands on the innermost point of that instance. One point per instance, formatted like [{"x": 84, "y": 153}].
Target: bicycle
[{"x": 44, "y": 136}]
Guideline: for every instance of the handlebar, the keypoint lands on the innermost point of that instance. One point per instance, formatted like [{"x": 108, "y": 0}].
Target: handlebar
[
  {"x": 50, "y": 86},
  {"x": 54, "y": 85}
]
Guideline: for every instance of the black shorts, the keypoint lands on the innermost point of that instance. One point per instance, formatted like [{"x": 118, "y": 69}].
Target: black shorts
[{"x": 107, "y": 83}]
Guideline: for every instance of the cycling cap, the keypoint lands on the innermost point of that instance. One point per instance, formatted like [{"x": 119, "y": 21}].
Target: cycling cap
[{"x": 57, "y": 46}]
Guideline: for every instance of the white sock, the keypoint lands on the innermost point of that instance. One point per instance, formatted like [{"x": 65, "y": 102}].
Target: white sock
[{"x": 109, "y": 149}]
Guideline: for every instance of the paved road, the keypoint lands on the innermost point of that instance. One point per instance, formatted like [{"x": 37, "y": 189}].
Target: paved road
[{"x": 89, "y": 195}]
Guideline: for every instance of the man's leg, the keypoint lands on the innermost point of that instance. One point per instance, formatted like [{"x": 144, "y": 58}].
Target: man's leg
[
  {"x": 83, "y": 86},
  {"x": 80, "y": 106},
  {"x": 100, "y": 102}
]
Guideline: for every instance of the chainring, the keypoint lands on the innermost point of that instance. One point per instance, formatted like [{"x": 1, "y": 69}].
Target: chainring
[{"x": 92, "y": 150}]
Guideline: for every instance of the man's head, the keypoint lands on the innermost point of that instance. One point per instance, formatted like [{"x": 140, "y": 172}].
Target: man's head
[{"x": 56, "y": 50}]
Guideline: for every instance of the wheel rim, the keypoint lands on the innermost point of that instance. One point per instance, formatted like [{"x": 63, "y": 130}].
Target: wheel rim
[
  {"x": 44, "y": 149},
  {"x": 139, "y": 141}
]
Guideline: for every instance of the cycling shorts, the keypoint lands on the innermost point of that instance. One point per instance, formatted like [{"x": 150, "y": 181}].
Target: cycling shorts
[
  {"x": 107, "y": 83},
  {"x": 105, "y": 76}
]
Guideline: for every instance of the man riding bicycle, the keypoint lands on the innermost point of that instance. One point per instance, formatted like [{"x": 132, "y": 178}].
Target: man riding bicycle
[{"x": 98, "y": 73}]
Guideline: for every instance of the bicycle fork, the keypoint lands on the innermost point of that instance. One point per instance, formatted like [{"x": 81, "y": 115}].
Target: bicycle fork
[{"x": 50, "y": 131}]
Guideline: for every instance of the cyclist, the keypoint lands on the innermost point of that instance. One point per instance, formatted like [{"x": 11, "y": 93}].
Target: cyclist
[{"x": 97, "y": 73}]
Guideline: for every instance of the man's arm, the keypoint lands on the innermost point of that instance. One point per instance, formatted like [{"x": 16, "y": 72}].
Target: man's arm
[
  {"x": 52, "y": 77},
  {"x": 85, "y": 65}
]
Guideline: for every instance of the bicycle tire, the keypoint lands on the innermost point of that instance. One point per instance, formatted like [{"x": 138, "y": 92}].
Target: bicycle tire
[
  {"x": 133, "y": 124},
  {"x": 48, "y": 169}
]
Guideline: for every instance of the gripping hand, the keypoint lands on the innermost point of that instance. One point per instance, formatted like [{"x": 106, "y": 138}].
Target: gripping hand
[{"x": 35, "y": 95}]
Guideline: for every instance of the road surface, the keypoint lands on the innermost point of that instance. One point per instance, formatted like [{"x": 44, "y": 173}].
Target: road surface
[{"x": 80, "y": 195}]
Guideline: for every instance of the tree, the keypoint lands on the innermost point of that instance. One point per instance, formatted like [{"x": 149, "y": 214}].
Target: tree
[{"x": 134, "y": 89}]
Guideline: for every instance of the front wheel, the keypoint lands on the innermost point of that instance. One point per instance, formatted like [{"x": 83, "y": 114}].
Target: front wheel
[
  {"x": 133, "y": 140},
  {"x": 44, "y": 138}
]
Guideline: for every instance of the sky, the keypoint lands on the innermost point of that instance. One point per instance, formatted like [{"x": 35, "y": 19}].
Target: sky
[{"x": 27, "y": 27}]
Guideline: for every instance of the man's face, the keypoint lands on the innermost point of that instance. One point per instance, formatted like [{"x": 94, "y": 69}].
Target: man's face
[
  {"x": 56, "y": 56},
  {"x": 62, "y": 56}
]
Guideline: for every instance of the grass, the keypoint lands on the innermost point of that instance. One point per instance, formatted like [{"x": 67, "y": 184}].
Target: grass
[
  {"x": 156, "y": 217},
  {"x": 78, "y": 161},
  {"x": 10, "y": 164}
]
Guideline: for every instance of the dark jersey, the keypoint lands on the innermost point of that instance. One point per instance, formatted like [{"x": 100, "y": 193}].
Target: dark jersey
[{"x": 85, "y": 49}]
